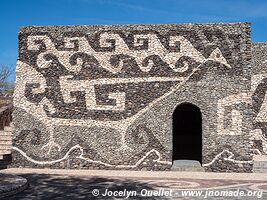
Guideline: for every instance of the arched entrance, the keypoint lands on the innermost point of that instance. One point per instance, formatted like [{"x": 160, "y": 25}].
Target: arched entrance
[{"x": 187, "y": 133}]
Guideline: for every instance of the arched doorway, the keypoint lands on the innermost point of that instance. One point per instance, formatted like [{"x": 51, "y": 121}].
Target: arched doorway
[{"x": 187, "y": 133}]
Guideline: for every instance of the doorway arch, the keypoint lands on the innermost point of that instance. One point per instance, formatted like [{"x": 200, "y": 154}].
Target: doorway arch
[{"x": 187, "y": 133}]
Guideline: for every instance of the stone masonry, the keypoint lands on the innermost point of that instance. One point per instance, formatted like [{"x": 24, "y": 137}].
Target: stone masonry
[{"x": 102, "y": 97}]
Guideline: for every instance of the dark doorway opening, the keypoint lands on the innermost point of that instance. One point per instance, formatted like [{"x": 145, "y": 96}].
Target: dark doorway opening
[{"x": 187, "y": 133}]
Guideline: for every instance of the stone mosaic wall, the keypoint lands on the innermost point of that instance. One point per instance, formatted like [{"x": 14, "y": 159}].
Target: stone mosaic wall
[
  {"x": 102, "y": 97},
  {"x": 259, "y": 99}
]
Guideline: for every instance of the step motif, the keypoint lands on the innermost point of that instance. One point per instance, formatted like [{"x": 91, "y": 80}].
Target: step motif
[
  {"x": 5, "y": 142},
  {"x": 8, "y": 129},
  {"x": 5, "y": 137},
  {"x": 5, "y": 151},
  {"x": 5, "y": 147},
  {"x": 5, "y": 133}
]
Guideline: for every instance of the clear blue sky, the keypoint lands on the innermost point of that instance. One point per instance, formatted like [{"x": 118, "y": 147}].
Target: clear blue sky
[{"x": 16, "y": 13}]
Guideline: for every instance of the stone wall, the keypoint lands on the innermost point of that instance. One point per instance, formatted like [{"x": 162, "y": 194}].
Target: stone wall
[
  {"x": 102, "y": 97},
  {"x": 259, "y": 101}
]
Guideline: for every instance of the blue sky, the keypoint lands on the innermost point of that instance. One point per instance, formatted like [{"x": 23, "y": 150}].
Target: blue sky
[{"x": 16, "y": 13}]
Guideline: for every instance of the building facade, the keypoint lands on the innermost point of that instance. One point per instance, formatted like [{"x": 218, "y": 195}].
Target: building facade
[{"x": 139, "y": 97}]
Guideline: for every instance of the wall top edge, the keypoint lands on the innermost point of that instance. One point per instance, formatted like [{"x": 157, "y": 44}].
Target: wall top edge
[{"x": 131, "y": 26}]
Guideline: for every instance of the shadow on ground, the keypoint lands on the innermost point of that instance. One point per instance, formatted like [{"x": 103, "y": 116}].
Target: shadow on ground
[{"x": 43, "y": 186}]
